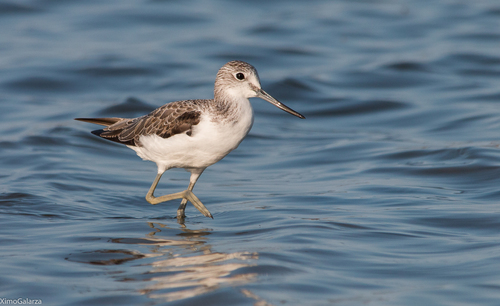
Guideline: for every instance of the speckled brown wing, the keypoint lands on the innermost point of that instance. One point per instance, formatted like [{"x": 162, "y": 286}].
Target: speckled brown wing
[{"x": 168, "y": 120}]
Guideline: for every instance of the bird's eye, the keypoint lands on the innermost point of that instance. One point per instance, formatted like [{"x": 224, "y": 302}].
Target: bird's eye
[{"x": 240, "y": 76}]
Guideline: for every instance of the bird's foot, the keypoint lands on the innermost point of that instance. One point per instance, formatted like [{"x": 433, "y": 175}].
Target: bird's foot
[
  {"x": 186, "y": 194},
  {"x": 189, "y": 195}
]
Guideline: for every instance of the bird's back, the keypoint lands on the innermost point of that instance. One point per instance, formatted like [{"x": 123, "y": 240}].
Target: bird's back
[{"x": 168, "y": 120}]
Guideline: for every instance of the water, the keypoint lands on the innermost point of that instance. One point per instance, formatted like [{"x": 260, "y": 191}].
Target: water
[{"x": 387, "y": 194}]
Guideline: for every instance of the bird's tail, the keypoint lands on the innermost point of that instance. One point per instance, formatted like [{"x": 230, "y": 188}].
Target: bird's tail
[{"x": 101, "y": 121}]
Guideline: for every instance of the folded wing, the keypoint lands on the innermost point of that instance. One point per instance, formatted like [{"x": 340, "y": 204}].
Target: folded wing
[{"x": 166, "y": 121}]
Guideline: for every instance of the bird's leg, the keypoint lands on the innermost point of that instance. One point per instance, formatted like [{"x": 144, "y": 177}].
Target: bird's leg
[
  {"x": 150, "y": 195},
  {"x": 181, "y": 211},
  {"x": 185, "y": 195},
  {"x": 182, "y": 208}
]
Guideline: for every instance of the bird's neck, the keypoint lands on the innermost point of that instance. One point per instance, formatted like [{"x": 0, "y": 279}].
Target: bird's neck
[{"x": 232, "y": 108}]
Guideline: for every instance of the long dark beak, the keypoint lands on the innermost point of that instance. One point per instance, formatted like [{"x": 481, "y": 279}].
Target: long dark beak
[{"x": 265, "y": 96}]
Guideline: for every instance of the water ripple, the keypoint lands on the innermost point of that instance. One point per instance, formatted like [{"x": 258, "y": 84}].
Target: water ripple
[{"x": 387, "y": 194}]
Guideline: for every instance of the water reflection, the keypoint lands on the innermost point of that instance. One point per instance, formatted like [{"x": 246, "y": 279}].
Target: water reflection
[
  {"x": 258, "y": 299},
  {"x": 195, "y": 274},
  {"x": 175, "y": 263}
]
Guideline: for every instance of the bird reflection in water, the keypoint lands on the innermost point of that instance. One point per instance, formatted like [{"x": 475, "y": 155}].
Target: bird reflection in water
[
  {"x": 197, "y": 274},
  {"x": 175, "y": 268}
]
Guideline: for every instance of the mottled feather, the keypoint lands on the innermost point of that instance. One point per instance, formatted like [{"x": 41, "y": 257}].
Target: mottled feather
[{"x": 170, "y": 119}]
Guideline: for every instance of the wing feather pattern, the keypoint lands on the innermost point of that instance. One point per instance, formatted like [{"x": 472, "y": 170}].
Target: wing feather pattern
[{"x": 166, "y": 121}]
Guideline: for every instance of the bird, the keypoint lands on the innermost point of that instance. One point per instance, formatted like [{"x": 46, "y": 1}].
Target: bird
[{"x": 192, "y": 134}]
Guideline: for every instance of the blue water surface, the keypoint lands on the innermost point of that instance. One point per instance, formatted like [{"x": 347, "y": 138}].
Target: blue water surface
[{"x": 387, "y": 194}]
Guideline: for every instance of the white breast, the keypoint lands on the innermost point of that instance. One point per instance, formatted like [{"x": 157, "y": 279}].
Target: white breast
[{"x": 211, "y": 140}]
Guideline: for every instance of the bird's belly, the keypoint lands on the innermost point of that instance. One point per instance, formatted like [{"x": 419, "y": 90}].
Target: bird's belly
[{"x": 209, "y": 143}]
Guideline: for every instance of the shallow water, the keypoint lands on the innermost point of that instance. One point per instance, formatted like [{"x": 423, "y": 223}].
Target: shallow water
[{"x": 387, "y": 194}]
